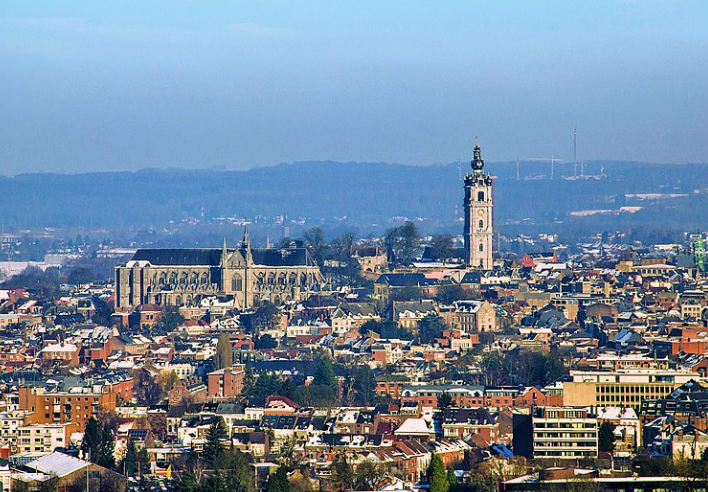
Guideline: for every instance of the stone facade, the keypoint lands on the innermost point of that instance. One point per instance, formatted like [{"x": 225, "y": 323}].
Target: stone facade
[
  {"x": 479, "y": 207},
  {"x": 183, "y": 277}
]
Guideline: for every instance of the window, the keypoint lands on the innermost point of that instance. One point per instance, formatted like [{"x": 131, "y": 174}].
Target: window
[
  {"x": 481, "y": 224},
  {"x": 481, "y": 247},
  {"x": 237, "y": 283},
  {"x": 480, "y": 196}
]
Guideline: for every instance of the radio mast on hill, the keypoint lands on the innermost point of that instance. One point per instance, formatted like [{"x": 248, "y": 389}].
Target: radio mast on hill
[{"x": 575, "y": 151}]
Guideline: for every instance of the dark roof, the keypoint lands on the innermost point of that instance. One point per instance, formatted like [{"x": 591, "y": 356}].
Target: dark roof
[
  {"x": 405, "y": 279},
  {"x": 212, "y": 256},
  {"x": 182, "y": 256},
  {"x": 302, "y": 367},
  {"x": 474, "y": 277},
  {"x": 476, "y": 416},
  {"x": 281, "y": 257}
]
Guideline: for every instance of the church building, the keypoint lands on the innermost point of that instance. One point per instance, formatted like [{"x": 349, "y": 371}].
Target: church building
[
  {"x": 183, "y": 277},
  {"x": 479, "y": 206}
]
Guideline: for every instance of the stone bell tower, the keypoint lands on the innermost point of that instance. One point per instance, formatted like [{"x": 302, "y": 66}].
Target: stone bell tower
[{"x": 479, "y": 207}]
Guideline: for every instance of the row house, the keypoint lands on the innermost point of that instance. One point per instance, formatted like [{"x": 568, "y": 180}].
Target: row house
[
  {"x": 461, "y": 423},
  {"x": 67, "y": 353}
]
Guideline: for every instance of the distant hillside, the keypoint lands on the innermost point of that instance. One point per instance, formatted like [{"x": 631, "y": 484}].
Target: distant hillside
[{"x": 366, "y": 193}]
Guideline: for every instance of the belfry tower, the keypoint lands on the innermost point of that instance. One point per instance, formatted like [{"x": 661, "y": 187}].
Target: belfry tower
[{"x": 479, "y": 208}]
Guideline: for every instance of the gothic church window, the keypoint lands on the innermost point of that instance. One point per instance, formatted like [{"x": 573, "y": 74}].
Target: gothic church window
[{"x": 237, "y": 283}]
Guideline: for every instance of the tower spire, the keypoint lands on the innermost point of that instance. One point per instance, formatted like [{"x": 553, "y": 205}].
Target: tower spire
[
  {"x": 246, "y": 243},
  {"x": 224, "y": 253}
]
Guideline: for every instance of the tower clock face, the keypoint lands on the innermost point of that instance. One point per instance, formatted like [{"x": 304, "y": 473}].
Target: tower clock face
[{"x": 480, "y": 213}]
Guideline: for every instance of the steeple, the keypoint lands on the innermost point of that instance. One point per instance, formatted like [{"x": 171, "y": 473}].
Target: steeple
[
  {"x": 246, "y": 243},
  {"x": 224, "y": 254},
  {"x": 246, "y": 247},
  {"x": 477, "y": 161}
]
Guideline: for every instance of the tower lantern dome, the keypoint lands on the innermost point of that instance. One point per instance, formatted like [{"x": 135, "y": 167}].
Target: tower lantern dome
[{"x": 477, "y": 161}]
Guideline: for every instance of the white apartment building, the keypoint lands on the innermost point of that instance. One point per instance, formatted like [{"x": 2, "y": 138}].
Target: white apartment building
[{"x": 564, "y": 433}]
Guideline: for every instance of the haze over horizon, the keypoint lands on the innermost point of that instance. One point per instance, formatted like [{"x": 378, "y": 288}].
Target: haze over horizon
[{"x": 131, "y": 85}]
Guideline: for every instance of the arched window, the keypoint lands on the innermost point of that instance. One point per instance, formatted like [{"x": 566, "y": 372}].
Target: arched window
[
  {"x": 480, "y": 196},
  {"x": 481, "y": 224},
  {"x": 237, "y": 283},
  {"x": 481, "y": 247}
]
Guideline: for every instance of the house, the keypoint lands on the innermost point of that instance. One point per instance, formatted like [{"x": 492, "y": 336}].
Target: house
[
  {"x": 409, "y": 313},
  {"x": 472, "y": 316},
  {"x": 415, "y": 428},
  {"x": 462, "y": 423}
]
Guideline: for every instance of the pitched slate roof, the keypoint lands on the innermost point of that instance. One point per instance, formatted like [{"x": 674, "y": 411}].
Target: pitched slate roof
[
  {"x": 282, "y": 257},
  {"x": 212, "y": 256},
  {"x": 181, "y": 256},
  {"x": 405, "y": 279}
]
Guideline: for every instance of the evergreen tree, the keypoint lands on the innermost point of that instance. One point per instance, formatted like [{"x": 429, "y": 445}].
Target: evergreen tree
[
  {"x": 143, "y": 462},
  {"x": 606, "y": 437},
  {"x": 264, "y": 386},
  {"x": 437, "y": 475},
  {"x": 91, "y": 443},
  {"x": 444, "y": 400},
  {"x": 129, "y": 463},
  {"x": 324, "y": 372},
  {"x": 278, "y": 481},
  {"x": 135, "y": 462},
  {"x": 265, "y": 342},
  {"x": 451, "y": 477},
  {"x": 106, "y": 457},
  {"x": 224, "y": 353},
  {"x": 213, "y": 449}
]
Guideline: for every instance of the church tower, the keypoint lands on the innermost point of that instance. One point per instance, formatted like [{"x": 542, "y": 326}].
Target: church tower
[{"x": 479, "y": 207}]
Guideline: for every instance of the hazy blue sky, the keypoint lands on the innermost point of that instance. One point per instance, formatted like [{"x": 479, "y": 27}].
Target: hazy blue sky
[{"x": 90, "y": 85}]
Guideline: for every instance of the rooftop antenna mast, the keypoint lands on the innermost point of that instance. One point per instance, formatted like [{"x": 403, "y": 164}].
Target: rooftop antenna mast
[{"x": 575, "y": 151}]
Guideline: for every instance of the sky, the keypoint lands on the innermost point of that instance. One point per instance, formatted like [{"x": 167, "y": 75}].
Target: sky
[{"x": 125, "y": 85}]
